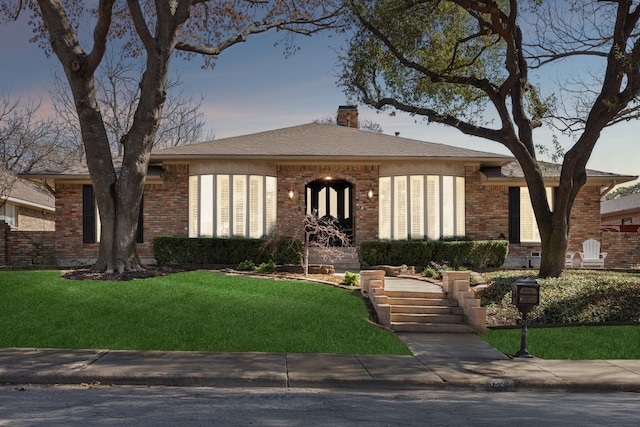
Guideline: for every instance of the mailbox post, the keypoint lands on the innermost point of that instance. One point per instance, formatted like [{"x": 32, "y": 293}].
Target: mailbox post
[{"x": 525, "y": 295}]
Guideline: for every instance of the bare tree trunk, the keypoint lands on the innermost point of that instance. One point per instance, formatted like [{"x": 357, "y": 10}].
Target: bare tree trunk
[{"x": 554, "y": 248}]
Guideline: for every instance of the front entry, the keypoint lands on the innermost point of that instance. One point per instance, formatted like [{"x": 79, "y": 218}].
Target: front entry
[{"x": 332, "y": 198}]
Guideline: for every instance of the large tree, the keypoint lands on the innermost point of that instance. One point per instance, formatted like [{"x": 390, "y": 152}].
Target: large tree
[
  {"x": 154, "y": 31},
  {"x": 468, "y": 64},
  {"x": 118, "y": 95}
]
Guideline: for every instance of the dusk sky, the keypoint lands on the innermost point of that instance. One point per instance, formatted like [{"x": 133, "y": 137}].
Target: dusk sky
[{"x": 255, "y": 88}]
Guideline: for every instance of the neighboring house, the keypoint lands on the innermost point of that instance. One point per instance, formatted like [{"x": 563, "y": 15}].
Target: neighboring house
[
  {"x": 621, "y": 214},
  {"x": 377, "y": 186},
  {"x": 25, "y": 206}
]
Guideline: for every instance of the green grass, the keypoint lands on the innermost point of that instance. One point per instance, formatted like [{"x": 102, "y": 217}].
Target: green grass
[
  {"x": 572, "y": 343},
  {"x": 186, "y": 311}
]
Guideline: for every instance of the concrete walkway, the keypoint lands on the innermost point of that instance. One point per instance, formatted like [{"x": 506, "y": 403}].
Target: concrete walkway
[{"x": 438, "y": 361}]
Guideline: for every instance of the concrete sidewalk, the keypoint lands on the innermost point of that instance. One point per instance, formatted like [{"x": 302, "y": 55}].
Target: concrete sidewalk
[{"x": 438, "y": 361}]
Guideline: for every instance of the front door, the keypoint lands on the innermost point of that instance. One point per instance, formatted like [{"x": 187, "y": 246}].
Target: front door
[{"x": 332, "y": 198}]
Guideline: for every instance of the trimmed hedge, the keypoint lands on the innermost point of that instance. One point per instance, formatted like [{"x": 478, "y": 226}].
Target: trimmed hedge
[
  {"x": 228, "y": 252},
  {"x": 420, "y": 253}
]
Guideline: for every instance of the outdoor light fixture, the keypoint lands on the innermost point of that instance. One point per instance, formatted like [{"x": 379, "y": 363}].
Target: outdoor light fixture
[
  {"x": 370, "y": 193},
  {"x": 291, "y": 194},
  {"x": 525, "y": 295}
]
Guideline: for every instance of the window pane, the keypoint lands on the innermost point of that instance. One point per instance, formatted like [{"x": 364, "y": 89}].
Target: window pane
[
  {"x": 322, "y": 202},
  {"x": 417, "y": 207},
  {"x": 347, "y": 203},
  {"x": 223, "y": 204},
  {"x": 206, "y": 206},
  {"x": 448, "y": 212},
  {"x": 256, "y": 198},
  {"x": 460, "y": 207},
  {"x": 400, "y": 207},
  {"x": 239, "y": 204},
  {"x": 433, "y": 207},
  {"x": 384, "y": 209},
  {"x": 528, "y": 226},
  {"x": 193, "y": 206},
  {"x": 270, "y": 203},
  {"x": 333, "y": 202},
  {"x": 9, "y": 214}
]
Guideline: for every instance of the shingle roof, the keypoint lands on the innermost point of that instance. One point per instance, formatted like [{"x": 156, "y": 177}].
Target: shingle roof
[
  {"x": 80, "y": 170},
  {"x": 316, "y": 140},
  {"x": 513, "y": 170},
  {"x": 621, "y": 204},
  {"x": 26, "y": 192}
]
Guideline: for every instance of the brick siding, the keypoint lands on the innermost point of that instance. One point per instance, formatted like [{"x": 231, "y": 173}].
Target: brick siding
[
  {"x": 362, "y": 177},
  {"x": 166, "y": 214}
]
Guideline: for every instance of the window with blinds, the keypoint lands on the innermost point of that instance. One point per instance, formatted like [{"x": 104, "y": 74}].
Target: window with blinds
[
  {"x": 400, "y": 207},
  {"x": 421, "y": 205},
  {"x": 416, "y": 184},
  {"x": 232, "y": 205},
  {"x": 529, "y": 232},
  {"x": 384, "y": 209}
]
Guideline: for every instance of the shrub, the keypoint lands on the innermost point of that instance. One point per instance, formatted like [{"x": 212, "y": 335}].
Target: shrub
[
  {"x": 222, "y": 251},
  {"x": 351, "y": 279},
  {"x": 467, "y": 253},
  {"x": 267, "y": 267},
  {"x": 246, "y": 265},
  {"x": 430, "y": 272}
]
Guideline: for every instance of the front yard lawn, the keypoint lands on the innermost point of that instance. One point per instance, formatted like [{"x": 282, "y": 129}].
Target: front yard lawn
[{"x": 189, "y": 311}]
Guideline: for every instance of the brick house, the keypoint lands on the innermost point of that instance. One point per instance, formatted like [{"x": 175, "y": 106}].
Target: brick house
[{"x": 378, "y": 187}]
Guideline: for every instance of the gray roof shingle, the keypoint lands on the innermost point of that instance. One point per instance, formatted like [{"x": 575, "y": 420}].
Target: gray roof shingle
[{"x": 316, "y": 140}]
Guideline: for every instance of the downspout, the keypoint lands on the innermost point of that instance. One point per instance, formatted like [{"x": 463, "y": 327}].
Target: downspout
[{"x": 608, "y": 189}]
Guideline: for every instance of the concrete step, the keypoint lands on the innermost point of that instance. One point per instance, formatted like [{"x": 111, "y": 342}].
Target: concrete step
[
  {"x": 414, "y": 294},
  {"x": 426, "y": 309},
  {"x": 427, "y": 318},
  {"x": 422, "y": 301},
  {"x": 454, "y": 328}
]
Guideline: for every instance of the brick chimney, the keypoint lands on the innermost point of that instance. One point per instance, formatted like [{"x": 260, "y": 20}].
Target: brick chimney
[{"x": 348, "y": 116}]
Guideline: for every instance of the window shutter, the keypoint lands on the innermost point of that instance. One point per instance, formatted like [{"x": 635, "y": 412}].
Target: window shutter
[
  {"x": 88, "y": 215},
  {"x": 514, "y": 214},
  {"x": 140, "y": 231}
]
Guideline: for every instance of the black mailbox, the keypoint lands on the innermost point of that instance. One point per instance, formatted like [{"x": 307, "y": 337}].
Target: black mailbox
[{"x": 525, "y": 293}]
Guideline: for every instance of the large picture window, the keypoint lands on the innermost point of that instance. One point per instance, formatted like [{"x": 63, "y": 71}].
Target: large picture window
[
  {"x": 226, "y": 205},
  {"x": 419, "y": 206}
]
